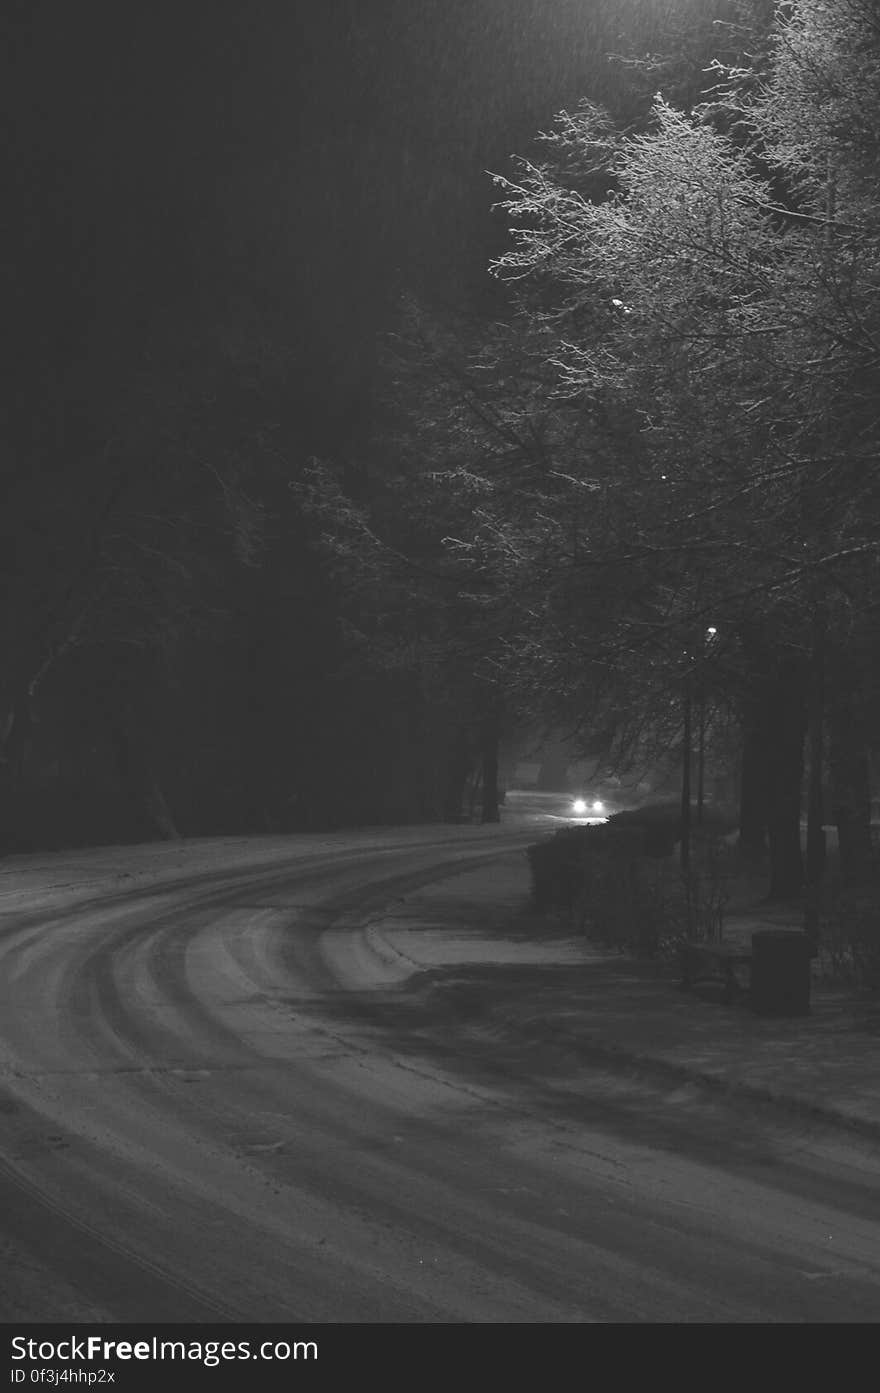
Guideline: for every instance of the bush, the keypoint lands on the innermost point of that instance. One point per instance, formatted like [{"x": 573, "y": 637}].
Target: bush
[
  {"x": 564, "y": 866},
  {"x": 846, "y": 920},
  {"x": 620, "y": 885},
  {"x": 594, "y": 873},
  {"x": 660, "y": 824},
  {"x": 554, "y": 866},
  {"x": 625, "y": 905}
]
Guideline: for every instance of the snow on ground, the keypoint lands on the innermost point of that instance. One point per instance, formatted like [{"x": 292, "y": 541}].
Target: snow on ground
[
  {"x": 45, "y": 878},
  {"x": 473, "y": 917},
  {"x": 476, "y": 924}
]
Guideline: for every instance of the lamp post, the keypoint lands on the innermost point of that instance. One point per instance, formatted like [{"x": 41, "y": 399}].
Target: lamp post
[
  {"x": 686, "y": 743},
  {"x": 701, "y": 738}
]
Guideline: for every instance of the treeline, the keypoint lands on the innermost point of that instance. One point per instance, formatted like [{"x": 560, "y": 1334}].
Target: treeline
[
  {"x": 647, "y": 488},
  {"x": 652, "y": 485}
]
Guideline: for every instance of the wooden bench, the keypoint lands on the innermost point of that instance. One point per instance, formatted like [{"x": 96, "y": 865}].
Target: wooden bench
[{"x": 716, "y": 963}]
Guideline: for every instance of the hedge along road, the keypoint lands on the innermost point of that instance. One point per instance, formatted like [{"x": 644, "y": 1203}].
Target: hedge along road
[{"x": 215, "y": 1107}]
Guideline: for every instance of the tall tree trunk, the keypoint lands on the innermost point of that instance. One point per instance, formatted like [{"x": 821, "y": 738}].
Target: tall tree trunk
[
  {"x": 490, "y": 737},
  {"x": 786, "y": 728},
  {"x": 815, "y": 804},
  {"x": 849, "y": 766},
  {"x": 753, "y": 791},
  {"x": 421, "y": 797},
  {"x": 457, "y": 772},
  {"x": 686, "y": 752},
  {"x": 851, "y": 795}
]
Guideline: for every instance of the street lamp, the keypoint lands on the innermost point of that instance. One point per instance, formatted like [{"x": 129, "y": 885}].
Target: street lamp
[
  {"x": 701, "y": 745},
  {"x": 685, "y": 852}
]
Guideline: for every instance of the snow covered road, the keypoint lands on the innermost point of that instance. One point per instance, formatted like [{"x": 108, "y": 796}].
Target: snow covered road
[{"x": 211, "y": 1108}]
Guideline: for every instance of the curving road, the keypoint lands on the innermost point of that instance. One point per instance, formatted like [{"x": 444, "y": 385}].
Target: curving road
[{"x": 214, "y": 1106}]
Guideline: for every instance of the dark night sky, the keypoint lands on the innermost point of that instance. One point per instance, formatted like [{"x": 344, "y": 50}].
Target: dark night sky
[{"x": 315, "y": 157}]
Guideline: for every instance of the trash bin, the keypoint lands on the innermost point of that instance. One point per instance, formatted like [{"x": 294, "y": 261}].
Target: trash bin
[{"x": 780, "y": 973}]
